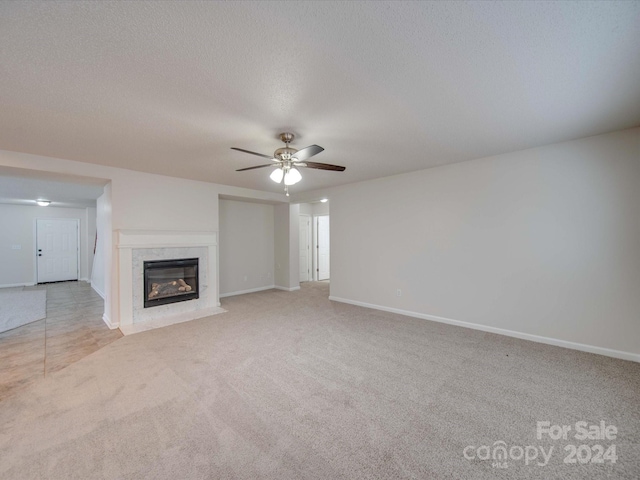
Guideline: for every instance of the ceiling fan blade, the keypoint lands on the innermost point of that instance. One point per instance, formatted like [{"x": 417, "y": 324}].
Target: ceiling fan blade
[
  {"x": 257, "y": 166},
  {"x": 323, "y": 166},
  {"x": 307, "y": 152},
  {"x": 270, "y": 157}
]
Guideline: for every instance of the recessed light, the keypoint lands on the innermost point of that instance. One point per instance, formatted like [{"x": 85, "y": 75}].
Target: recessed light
[
  {"x": 324, "y": 200},
  {"x": 43, "y": 203}
]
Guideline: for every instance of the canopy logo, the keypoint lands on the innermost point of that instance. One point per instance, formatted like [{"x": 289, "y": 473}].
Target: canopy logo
[{"x": 499, "y": 453}]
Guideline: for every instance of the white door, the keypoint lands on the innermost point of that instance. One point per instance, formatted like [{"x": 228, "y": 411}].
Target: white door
[
  {"x": 323, "y": 247},
  {"x": 57, "y": 249},
  {"x": 305, "y": 248}
]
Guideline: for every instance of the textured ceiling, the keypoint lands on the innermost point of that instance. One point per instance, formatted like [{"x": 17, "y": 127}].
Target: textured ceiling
[{"x": 384, "y": 87}]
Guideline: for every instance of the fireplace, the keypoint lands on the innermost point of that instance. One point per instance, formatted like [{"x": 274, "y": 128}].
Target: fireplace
[
  {"x": 170, "y": 281},
  {"x": 133, "y": 248}
]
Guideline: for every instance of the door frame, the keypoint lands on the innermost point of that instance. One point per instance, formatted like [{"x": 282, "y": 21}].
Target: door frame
[
  {"x": 35, "y": 245},
  {"x": 310, "y": 277},
  {"x": 316, "y": 261}
]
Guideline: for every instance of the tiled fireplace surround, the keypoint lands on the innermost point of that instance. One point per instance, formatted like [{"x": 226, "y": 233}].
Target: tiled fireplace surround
[{"x": 137, "y": 246}]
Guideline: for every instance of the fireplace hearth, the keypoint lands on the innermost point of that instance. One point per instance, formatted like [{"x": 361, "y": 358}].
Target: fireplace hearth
[{"x": 170, "y": 281}]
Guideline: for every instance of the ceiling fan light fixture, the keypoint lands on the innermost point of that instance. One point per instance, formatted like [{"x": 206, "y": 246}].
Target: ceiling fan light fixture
[
  {"x": 292, "y": 176},
  {"x": 277, "y": 175},
  {"x": 288, "y": 159}
]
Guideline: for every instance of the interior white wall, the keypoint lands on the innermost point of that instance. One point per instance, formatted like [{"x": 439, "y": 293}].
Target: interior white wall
[
  {"x": 110, "y": 259},
  {"x": 305, "y": 223},
  {"x": 152, "y": 202},
  {"x": 294, "y": 246},
  {"x": 286, "y": 249},
  {"x": 246, "y": 246},
  {"x": 541, "y": 242},
  {"x": 306, "y": 209},
  {"x": 103, "y": 250},
  {"x": 91, "y": 218},
  {"x": 320, "y": 208},
  {"x": 142, "y": 201},
  {"x": 18, "y": 229},
  {"x": 281, "y": 223},
  {"x": 316, "y": 208}
]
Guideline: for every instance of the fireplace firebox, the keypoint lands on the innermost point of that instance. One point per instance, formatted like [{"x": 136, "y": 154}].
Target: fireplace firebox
[{"x": 170, "y": 281}]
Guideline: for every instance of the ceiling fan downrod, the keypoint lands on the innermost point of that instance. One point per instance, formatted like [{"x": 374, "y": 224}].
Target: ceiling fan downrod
[{"x": 287, "y": 138}]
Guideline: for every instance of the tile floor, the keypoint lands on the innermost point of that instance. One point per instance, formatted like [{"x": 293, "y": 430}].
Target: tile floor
[{"x": 72, "y": 329}]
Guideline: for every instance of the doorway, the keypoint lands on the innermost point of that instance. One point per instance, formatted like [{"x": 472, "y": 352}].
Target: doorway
[{"x": 57, "y": 241}]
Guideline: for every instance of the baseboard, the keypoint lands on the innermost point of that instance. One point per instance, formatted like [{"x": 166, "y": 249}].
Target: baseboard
[
  {"x": 634, "y": 357},
  {"x": 104, "y": 297},
  {"x": 251, "y": 290},
  {"x": 10, "y": 285},
  {"x": 287, "y": 289},
  {"x": 86, "y": 280},
  {"x": 107, "y": 320},
  {"x": 259, "y": 289}
]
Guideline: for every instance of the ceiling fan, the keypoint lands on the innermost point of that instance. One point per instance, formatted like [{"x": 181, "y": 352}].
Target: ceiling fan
[{"x": 287, "y": 160}]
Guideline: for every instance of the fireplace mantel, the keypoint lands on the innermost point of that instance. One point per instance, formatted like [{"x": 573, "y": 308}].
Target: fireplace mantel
[
  {"x": 165, "y": 239},
  {"x": 145, "y": 240}
]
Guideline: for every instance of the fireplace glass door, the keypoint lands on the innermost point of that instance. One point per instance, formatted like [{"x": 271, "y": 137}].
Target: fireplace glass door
[{"x": 170, "y": 281}]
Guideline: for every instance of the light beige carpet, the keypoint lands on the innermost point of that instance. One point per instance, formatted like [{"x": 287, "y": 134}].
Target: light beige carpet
[
  {"x": 288, "y": 385},
  {"x": 19, "y": 307}
]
